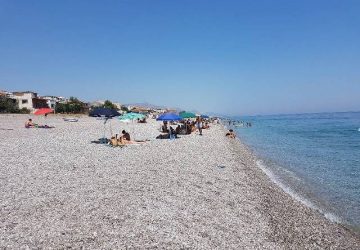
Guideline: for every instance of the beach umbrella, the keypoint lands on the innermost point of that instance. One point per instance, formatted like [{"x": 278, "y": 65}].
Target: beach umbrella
[
  {"x": 43, "y": 111},
  {"x": 205, "y": 116},
  {"x": 132, "y": 116},
  {"x": 169, "y": 117},
  {"x": 185, "y": 115},
  {"x": 104, "y": 112}
]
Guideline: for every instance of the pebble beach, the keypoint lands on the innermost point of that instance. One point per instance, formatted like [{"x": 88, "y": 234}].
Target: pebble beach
[{"x": 59, "y": 190}]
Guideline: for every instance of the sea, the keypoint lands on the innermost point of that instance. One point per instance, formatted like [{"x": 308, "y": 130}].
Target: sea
[{"x": 313, "y": 157}]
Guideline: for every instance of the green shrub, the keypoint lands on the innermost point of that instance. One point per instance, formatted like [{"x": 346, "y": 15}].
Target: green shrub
[
  {"x": 24, "y": 111},
  {"x": 74, "y": 106},
  {"x": 8, "y": 105},
  {"x": 108, "y": 104}
]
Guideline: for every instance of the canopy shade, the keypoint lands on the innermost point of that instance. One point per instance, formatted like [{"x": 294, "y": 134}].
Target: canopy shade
[
  {"x": 103, "y": 112},
  {"x": 169, "y": 117}
]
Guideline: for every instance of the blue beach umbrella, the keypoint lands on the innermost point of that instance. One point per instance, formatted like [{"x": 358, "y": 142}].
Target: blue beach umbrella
[
  {"x": 105, "y": 112},
  {"x": 205, "y": 116},
  {"x": 169, "y": 117}
]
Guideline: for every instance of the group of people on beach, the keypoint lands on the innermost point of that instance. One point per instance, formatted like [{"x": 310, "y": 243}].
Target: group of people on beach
[{"x": 184, "y": 127}]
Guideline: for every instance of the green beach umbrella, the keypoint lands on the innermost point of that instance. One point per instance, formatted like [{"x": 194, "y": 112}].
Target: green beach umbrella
[
  {"x": 186, "y": 115},
  {"x": 131, "y": 116}
]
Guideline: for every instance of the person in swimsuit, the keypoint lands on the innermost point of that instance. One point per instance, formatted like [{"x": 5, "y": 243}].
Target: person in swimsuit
[
  {"x": 29, "y": 124},
  {"x": 231, "y": 134},
  {"x": 125, "y": 135},
  {"x": 199, "y": 124}
]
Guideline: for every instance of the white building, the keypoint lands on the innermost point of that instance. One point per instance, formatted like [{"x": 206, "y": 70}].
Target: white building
[
  {"x": 52, "y": 100},
  {"x": 28, "y": 100}
]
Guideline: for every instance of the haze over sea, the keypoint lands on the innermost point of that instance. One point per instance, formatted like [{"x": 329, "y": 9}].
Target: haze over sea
[{"x": 314, "y": 157}]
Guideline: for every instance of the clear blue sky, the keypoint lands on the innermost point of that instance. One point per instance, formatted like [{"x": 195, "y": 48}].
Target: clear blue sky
[{"x": 233, "y": 57}]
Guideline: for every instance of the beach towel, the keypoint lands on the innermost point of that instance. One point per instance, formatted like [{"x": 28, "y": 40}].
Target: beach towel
[{"x": 41, "y": 126}]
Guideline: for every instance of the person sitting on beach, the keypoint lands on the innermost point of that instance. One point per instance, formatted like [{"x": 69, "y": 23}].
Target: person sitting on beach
[
  {"x": 114, "y": 140},
  {"x": 231, "y": 134},
  {"x": 206, "y": 125},
  {"x": 125, "y": 136},
  {"x": 29, "y": 124},
  {"x": 164, "y": 128},
  {"x": 173, "y": 132},
  {"x": 178, "y": 129}
]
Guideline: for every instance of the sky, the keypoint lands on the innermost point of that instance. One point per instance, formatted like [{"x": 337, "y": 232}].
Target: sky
[{"x": 230, "y": 57}]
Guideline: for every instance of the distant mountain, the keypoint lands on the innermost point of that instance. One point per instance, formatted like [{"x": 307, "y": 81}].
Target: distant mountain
[
  {"x": 151, "y": 106},
  {"x": 215, "y": 114}
]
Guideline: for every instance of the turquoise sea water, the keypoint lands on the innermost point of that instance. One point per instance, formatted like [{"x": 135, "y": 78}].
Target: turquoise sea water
[{"x": 314, "y": 157}]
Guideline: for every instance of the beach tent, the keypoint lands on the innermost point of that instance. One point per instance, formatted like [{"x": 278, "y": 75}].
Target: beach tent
[
  {"x": 169, "y": 117},
  {"x": 186, "y": 115}
]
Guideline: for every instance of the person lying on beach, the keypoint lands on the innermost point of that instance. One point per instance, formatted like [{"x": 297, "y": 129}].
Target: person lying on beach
[
  {"x": 125, "y": 139},
  {"x": 206, "y": 125},
  {"x": 163, "y": 136},
  {"x": 231, "y": 134},
  {"x": 142, "y": 120},
  {"x": 30, "y": 124},
  {"x": 114, "y": 141}
]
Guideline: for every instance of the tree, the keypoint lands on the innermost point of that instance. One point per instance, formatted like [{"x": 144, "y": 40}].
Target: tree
[
  {"x": 74, "y": 106},
  {"x": 108, "y": 104},
  {"x": 124, "y": 108},
  {"x": 8, "y": 105}
]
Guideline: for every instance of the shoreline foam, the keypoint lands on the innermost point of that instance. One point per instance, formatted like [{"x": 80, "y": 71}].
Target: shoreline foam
[{"x": 298, "y": 195}]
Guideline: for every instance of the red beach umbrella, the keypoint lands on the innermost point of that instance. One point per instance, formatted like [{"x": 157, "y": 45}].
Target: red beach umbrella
[{"x": 43, "y": 111}]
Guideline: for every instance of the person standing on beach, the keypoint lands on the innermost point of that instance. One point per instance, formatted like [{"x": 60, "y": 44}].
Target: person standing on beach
[{"x": 199, "y": 124}]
